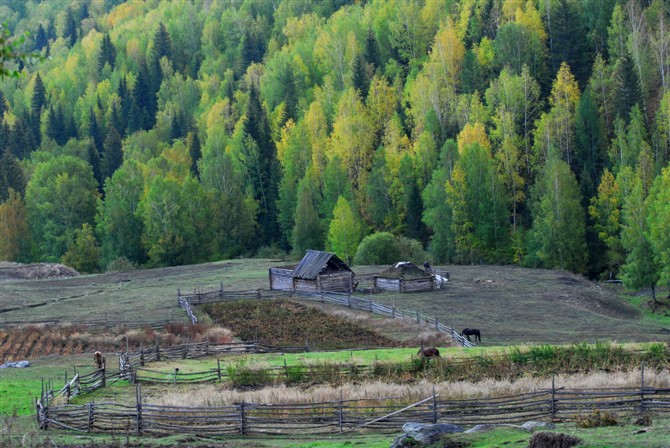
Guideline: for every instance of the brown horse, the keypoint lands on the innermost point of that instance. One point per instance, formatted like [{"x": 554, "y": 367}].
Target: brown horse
[
  {"x": 429, "y": 352},
  {"x": 99, "y": 359},
  {"x": 467, "y": 332}
]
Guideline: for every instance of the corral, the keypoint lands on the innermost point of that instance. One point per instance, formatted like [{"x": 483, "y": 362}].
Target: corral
[
  {"x": 317, "y": 271},
  {"x": 404, "y": 277}
]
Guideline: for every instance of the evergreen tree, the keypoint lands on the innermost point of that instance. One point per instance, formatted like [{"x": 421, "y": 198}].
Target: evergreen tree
[
  {"x": 413, "y": 204},
  {"x": 39, "y": 99},
  {"x": 107, "y": 54},
  {"x": 126, "y": 103},
  {"x": 41, "y": 38},
  {"x": 22, "y": 139},
  {"x": 162, "y": 47},
  {"x": 193, "y": 145},
  {"x": 11, "y": 175},
  {"x": 627, "y": 86},
  {"x": 372, "y": 50},
  {"x": 360, "y": 77},
  {"x": 569, "y": 43},
  {"x": 93, "y": 158},
  {"x": 262, "y": 166},
  {"x": 143, "y": 110},
  {"x": 112, "y": 154},
  {"x": 70, "y": 30},
  {"x": 94, "y": 130}
]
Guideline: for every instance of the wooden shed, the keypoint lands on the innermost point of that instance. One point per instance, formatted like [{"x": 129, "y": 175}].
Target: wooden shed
[
  {"x": 404, "y": 277},
  {"x": 317, "y": 271}
]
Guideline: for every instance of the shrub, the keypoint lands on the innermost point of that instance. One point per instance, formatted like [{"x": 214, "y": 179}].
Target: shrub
[
  {"x": 597, "y": 419},
  {"x": 121, "y": 264},
  {"x": 412, "y": 250},
  {"x": 378, "y": 248}
]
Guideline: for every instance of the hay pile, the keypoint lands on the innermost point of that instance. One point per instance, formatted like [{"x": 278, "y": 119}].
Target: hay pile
[{"x": 34, "y": 271}]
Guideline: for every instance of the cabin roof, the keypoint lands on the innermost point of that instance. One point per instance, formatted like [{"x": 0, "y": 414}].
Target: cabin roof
[
  {"x": 314, "y": 262},
  {"x": 404, "y": 270}
]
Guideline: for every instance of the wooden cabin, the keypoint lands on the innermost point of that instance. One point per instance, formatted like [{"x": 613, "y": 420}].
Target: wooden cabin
[
  {"x": 317, "y": 271},
  {"x": 404, "y": 277}
]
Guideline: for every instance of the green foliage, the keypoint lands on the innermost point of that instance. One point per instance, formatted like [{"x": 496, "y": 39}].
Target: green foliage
[
  {"x": 345, "y": 232},
  {"x": 61, "y": 196},
  {"x": 360, "y": 95},
  {"x": 84, "y": 254},
  {"x": 378, "y": 248},
  {"x": 558, "y": 236}
]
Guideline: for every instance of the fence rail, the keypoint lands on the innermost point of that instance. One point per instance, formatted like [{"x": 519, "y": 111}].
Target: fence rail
[
  {"x": 186, "y": 301},
  {"x": 380, "y": 415}
]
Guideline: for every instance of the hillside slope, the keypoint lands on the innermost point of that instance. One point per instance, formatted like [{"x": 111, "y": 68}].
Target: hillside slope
[{"x": 510, "y": 305}]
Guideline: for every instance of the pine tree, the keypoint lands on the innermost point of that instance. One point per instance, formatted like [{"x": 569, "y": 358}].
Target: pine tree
[
  {"x": 264, "y": 176},
  {"x": 3, "y": 106},
  {"x": 360, "y": 77},
  {"x": 569, "y": 43},
  {"x": 94, "y": 130},
  {"x": 126, "y": 103},
  {"x": 93, "y": 156},
  {"x": 22, "y": 140},
  {"x": 372, "y": 50},
  {"x": 11, "y": 175},
  {"x": 143, "y": 111},
  {"x": 70, "y": 31},
  {"x": 194, "y": 150},
  {"x": 307, "y": 232},
  {"x": 627, "y": 86},
  {"x": 112, "y": 155},
  {"x": 39, "y": 99},
  {"x": 162, "y": 47},
  {"x": 41, "y": 38},
  {"x": 107, "y": 54}
]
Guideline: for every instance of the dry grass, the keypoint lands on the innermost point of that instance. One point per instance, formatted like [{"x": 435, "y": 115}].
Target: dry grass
[{"x": 219, "y": 395}]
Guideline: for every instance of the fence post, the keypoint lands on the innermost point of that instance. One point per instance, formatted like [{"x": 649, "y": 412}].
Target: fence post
[
  {"x": 221, "y": 291},
  {"x": 141, "y": 355},
  {"x": 436, "y": 324},
  {"x": 158, "y": 351},
  {"x": 349, "y": 301},
  {"x": 553, "y": 396},
  {"x": 341, "y": 411},
  {"x": 286, "y": 371},
  {"x": 218, "y": 368},
  {"x": 104, "y": 376},
  {"x": 178, "y": 296},
  {"x": 417, "y": 317},
  {"x": 138, "y": 400},
  {"x": 90, "y": 417},
  {"x": 206, "y": 345},
  {"x": 434, "y": 406},
  {"x": 642, "y": 388},
  {"x": 243, "y": 419},
  {"x": 174, "y": 381}
]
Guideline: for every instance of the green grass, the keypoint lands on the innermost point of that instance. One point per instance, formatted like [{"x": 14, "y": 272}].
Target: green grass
[{"x": 20, "y": 387}]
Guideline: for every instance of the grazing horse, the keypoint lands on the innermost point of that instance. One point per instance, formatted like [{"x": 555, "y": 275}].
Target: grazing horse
[
  {"x": 472, "y": 332},
  {"x": 429, "y": 352},
  {"x": 99, "y": 359}
]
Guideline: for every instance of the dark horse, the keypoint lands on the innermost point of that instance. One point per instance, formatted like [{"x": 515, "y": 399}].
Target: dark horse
[
  {"x": 99, "y": 359},
  {"x": 429, "y": 352},
  {"x": 472, "y": 332}
]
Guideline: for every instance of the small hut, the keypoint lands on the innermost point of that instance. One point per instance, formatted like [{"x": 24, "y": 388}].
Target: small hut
[
  {"x": 317, "y": 271},
  {"x": 404, "y": 277}
]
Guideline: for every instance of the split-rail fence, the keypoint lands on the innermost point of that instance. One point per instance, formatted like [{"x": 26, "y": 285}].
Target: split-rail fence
[{"x": 187, "y": 301}]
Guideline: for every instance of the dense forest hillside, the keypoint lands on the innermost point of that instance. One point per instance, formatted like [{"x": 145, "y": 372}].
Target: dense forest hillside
[{"x": 486, "y": 131}]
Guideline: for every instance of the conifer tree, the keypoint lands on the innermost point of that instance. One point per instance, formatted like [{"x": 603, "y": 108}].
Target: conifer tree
[
  {"x": 11, "y": 175},
  {"x": 94, "y": 130},
  {"x": 569, "y": 43},
  {"x": 112, "y": 154},
  {"x": 162, "y": 47},
  {"x": 193, "y": 145},
  {"x": 15, "y": 241},
  {"x": 372, "y": 50},
  {"x": 107, "y": 54},
  {"x": 70, "y": 31},
  {"x": 41, "y": 38}
]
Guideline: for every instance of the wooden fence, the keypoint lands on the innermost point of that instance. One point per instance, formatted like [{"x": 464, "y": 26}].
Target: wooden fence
[
  {"x": 186, "y": 301},
  {"x": 96, "y": 324},
  {"x": 386, "y": 414}
]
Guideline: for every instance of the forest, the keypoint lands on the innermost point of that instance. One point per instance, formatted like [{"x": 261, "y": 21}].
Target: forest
[{"x": 158, "y": 133}]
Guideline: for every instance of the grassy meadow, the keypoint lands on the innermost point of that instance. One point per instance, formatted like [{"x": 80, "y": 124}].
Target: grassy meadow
[{"x": 522, "y": 314}]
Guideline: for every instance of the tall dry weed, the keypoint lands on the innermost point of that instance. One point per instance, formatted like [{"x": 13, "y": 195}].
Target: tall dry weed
[{"x": 219, "y": 395}]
